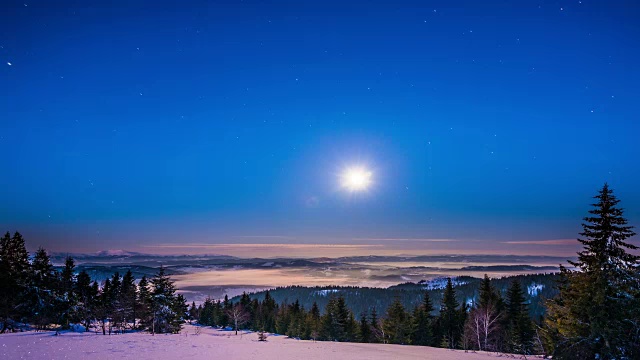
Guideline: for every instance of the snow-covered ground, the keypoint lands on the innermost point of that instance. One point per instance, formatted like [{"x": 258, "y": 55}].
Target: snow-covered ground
[{"x": 209, "y": 344}]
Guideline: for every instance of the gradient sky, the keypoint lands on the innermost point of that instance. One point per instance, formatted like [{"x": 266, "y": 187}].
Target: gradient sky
[{"x": 200, "y": 123}]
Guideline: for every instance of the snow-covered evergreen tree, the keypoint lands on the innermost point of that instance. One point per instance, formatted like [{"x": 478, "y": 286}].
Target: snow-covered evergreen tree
[{"x": 165, "y": 305}]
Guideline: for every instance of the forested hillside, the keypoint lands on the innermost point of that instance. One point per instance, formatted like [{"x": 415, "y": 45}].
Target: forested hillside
[{"x": 363, "y": 299}]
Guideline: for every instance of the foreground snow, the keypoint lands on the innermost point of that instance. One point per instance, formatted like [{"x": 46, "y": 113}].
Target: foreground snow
[{"x": 209, "y": 344}]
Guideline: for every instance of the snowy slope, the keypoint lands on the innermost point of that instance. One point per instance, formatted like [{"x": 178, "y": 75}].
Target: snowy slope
[{"x": 210, "y": 344}]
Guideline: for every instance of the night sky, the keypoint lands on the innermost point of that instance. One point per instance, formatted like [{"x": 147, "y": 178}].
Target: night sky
[{"x": 206, "y": 126}]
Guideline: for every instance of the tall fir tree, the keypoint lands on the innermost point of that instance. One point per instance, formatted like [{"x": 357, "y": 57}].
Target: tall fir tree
[
  {"x": 14, "y": 278},
  {"x": 68, "y": 310},
  {"x": 520, "y": 330},
  {"x": 85, "y": 297},
  {"x": 268, "y": 309},
  {"x": 115, "y": 305},
  {"x": 397, "y": 324},
  {"x": 128, "y": 297},
  {"x": 165, "y": 306},
  {"x": 423, "y": 322},
  {"x": 449, "y": 317},
  {"x": 421, "y": 328},
  {"x": 343, "y": 320},
  {"x": 42, "y": 292},
  {"x": 143, "y": 303},
  {"x": 488, "y": 295},
  {"x": 313, "y": 321},
  {"x": 427, "y": 305},
  {"x": 595, "y": 313},
  {"x": 365, "y": 329},
  {"x": 102, "y": 308},
  {"x": 376, "y": 331},
  {"x": 193, "y": 312}
]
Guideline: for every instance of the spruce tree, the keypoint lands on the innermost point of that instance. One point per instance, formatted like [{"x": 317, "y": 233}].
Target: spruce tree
[
  {"x": 450, "y": 324},
  {"x": 14, "y": 278},
  {"x": 226, "y": 307},
  {"x": 397, "y": 324},
  {"x": 282, "y": 320},
  {"x": 115, "y": 306},
  {"x": 328, "y": 328},
  {"x": 206, "y": 313},
  {"x": 352, "y": 331},
  {"x": 143, "y": 303},
  {"x": 594, "y": 314},
  {"x": 313, "y": 321},
  {"x": 519, "y": 327},
  {"x": 365, "y": 329},
  {"x": 128, "y": 297},
  {"x": 193, "y": 312},
  {"x": 488, "y": 295},
  {"x": 102, "y": 309},
  {"x": 421, "y": 330},
  {"x": 336, "y": 323},
  {"x": 68, "y": 303},
  {"x": 427, "y": 305},
  {"x": 268, "y": 309},
  {"x": 165, "y": 306},
  {"x": 42, "y": 292},
  {"x": 375, "y": 326},
  {"x": 84, "y": 294},
  {"x": 343, "y": 321}
]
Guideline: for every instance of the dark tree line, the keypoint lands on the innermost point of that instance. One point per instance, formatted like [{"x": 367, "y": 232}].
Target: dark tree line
[
  {"x": 513, "y": 331},
  {"x": 33, "y": 292},
  {"x": 363, "y": 299}
]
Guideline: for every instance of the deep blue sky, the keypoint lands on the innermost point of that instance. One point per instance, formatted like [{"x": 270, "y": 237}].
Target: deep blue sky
[{"x": 129, "y": 125}]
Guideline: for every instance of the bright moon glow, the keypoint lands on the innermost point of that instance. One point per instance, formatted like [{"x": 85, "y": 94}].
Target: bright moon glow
[{"x": 356, "y": 179}]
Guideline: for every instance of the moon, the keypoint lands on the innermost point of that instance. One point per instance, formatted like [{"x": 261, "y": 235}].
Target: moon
[{"x": 356, "y": 179}]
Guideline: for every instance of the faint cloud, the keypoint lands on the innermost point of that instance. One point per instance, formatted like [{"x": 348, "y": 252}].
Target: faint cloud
[
  {"x": 559, "y": 242},
  {"x": 280, "y": 246},
  {"x": 263, "y": 237},
  {"x": 271, "y": 250},
  {"x": 404, "y": 239}
]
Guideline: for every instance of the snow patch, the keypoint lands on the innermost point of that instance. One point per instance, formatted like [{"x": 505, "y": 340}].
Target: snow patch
[
  {"x": 534, "y": 289},
  {"x": 325, "y": 292},
  {"x": 441, "y": 283}
]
